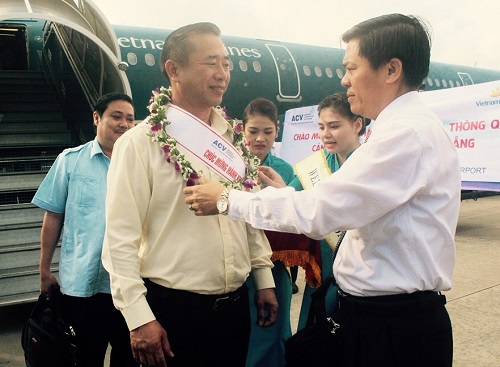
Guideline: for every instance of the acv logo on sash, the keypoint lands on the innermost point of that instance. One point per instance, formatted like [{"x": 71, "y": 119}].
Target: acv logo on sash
[{"x": 238, "y": 167}]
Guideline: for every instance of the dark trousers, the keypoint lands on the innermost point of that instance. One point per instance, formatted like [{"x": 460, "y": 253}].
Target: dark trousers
[
  {"x": 98, "y": 323},
  {"x": 203, "y": 330},
  {"x": 410, "y": 330}
]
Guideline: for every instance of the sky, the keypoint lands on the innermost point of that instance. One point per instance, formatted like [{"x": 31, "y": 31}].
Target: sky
[{"x": 464, "y": 32}]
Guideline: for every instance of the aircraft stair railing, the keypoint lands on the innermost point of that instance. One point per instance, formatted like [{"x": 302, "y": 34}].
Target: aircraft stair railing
[
  {"x": 85, "y": 58},
  {"x": 95, "y": 73}
]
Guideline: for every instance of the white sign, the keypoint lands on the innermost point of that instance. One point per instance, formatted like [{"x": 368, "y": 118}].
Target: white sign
[
  {"x": 471, "y": 115},
  {"x": 300, "y": 134}
]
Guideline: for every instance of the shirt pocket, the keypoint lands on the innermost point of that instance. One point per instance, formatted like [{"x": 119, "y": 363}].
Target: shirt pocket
[{"x": 85, "y": 191}]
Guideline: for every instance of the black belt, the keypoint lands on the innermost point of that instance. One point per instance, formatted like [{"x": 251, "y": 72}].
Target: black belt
[
  {"x": 215, "y": 302},
  {"x": 392, "y": 305}
]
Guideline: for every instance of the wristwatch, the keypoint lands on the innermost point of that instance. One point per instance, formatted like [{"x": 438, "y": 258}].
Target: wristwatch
[{"x": 223, "y": 202}]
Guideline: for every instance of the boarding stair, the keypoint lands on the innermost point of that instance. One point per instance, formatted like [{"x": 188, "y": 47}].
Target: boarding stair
[{"x": 33, "y": 131}]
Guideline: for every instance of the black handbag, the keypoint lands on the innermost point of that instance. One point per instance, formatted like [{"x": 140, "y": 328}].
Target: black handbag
[
  {"x": 317, "y": 343},
  {"x": 46, "y": 339}
]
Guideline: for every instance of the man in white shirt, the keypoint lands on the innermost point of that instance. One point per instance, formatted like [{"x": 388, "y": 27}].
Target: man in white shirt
[{"x": 397, "y": 196}]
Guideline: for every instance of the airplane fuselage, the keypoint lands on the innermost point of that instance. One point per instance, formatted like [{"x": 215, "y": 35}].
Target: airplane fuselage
[{"x": 291, "y": 75}]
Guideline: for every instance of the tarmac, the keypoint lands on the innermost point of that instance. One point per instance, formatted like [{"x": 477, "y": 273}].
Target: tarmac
[{"x": 473, "y": 302}]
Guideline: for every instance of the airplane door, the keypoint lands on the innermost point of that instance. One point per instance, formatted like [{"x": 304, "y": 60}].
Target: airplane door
[
  {"x": 288, "y": 74},
  {"x": 85, "y": 18},
  {"x": 465, "y": 78},
  {"x": 13, "y": 47}
]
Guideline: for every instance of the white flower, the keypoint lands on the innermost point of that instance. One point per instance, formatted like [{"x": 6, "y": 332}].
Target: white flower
[{"x": 159, "y": 104}]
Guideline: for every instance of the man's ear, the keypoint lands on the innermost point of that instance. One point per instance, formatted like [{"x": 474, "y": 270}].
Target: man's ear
[
  {"x": 171, "y": 69},
  {"x": 95, "y": 117},
  {"x": 358, "y": 124},
  {"x": 394, "y": 70}
]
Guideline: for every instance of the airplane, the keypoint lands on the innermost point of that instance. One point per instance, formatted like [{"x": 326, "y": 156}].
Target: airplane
[{"x": 55, "y": 61}]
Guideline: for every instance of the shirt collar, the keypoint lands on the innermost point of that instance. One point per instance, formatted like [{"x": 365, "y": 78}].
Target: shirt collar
[
  {"x": 267, "y": 160},
  {"x": 397, "y": 103},
  {"x": 218, "y": 123},
  {"x": 335, "y": 158},
  {"x": 96, "y": 148}
]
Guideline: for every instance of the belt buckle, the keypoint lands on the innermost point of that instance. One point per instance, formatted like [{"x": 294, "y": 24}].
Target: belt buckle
[
  {"x": 341, "y": 293},
  {"x": 219, "y": 303}
]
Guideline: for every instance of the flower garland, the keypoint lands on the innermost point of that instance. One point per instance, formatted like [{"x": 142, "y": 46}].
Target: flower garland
[{"x": 158, "y": 106}]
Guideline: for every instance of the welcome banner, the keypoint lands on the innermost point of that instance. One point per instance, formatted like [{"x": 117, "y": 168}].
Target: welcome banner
[
  {"x": 300, "y": 134},
  {"x": 471, "y": 115}
]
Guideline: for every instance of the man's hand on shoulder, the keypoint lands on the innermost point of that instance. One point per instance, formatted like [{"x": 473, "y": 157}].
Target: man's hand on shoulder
[{"x": 150, "y": 345}]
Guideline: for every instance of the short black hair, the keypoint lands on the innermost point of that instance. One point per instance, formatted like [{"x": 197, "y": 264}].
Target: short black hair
[
  {"x": 104, "y": 101},
  {"x": 406, "y": 38}
]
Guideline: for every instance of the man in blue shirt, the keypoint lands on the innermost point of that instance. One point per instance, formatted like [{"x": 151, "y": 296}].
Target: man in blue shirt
[{"x": 73, "y": 196}]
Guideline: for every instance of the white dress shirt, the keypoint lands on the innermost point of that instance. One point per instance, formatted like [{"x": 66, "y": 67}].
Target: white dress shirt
[
  {"x": 398, "y": 195},
  {"x": 151, "y": 233}
]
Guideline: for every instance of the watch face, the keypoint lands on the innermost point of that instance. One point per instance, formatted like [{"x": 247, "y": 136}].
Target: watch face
[{"x": 222, "y": 205}]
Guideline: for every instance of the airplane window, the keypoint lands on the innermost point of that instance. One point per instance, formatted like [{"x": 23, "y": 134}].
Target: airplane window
[
  {"x": 256, "y": 67},
  {"x": 340, "y": 73},
  {"x": 132, "y": 58},
  {"x": 307, "y": 70},
  {"x": 445, "y": 84},
  {"x": 318, "y": 71},
  {"x": 429, "y": 81},
  {"x": 243, "y": 65},
  {"x": 438, "y": 84},
  {"x": 458, "y": 83},
  {"x": 450, "y": 82},
  {"x": 231, "y": 65},
  {"x": 150, "y": 59},
  {"x": 329, "y": 72}
]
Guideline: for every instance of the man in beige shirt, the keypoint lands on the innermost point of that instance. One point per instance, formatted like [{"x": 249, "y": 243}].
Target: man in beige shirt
[{"x": 179, "y": 279}]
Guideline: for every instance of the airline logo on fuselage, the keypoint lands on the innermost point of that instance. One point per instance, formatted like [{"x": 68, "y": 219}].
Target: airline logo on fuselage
[{"x": 145, "y": 43}]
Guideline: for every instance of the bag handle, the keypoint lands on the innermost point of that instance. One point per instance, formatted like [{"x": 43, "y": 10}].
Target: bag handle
[{"x": 49, "y": 301}]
